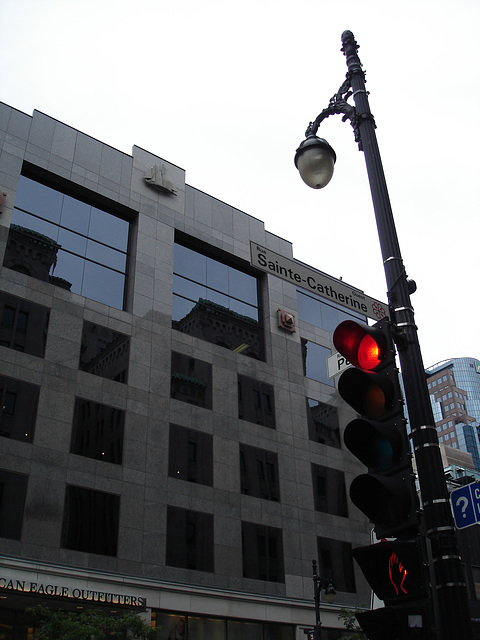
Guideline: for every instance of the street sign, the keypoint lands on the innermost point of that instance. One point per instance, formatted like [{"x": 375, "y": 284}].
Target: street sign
[
  {"x": 336, "y": 363},
  {"x": 316, "y": 282},
  {"x": 465, "y": 503}
]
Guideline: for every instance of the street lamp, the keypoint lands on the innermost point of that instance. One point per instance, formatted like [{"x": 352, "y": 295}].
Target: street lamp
[
  {"x": 320, "y": 584},
  {"x": 314, "y": 159}
]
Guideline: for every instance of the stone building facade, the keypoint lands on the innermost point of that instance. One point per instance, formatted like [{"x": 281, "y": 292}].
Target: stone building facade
[{"x": 170, "y": 438}]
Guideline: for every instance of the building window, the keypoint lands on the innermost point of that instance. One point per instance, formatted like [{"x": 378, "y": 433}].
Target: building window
[
  {"x": 259, "y": 473},
  {"x": 217, "y": 302},
  {"x": 23, "y": 325},
  {"x": 189, "y": 539},
  {"x": 18, "y": 409},
  {"x": 69, "y": 237},
  {"x": 191, "y": 380},
  {"x": 97, "y": 431},
  {"x": 256, "y": 401},
  {"x": 323, "y": 424},
  {"x": 315, "y": 362},
  {"x": 104, "y": 352},
  {"x": 90, "y": 521},
  {"x": 13, "y": 489},
  {"x": 329, "y": 490},
  {"x": 335, "y": 563},
  {"x": 181, "y": 626},
  {"x": 322, "y": 314},
  {"x": 190, "y": 455},
  {"x": 262, "y": 552}
]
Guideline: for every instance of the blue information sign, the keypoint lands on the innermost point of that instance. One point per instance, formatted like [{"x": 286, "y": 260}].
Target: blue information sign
[{"x": 466, "y": 505}]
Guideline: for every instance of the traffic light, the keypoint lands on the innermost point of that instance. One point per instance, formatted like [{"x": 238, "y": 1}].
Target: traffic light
[
  {"x": 378, "y": 438},
  {"x": 395, "y": 571}
]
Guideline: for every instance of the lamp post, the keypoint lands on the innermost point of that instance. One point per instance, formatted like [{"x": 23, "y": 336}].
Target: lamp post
[
  {"x": 330, "y": 597},
  {"x": 315, "y": 160}
]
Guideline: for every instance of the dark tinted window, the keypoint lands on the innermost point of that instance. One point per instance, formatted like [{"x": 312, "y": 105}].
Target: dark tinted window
[
  {"x": 216, "y": 302},
  {"x": 262, "y": 552},
  {"x": 190, "y": 455},
  {"x": 189, "y": 539},
  {"x": 335, "y": 562},
  {"x": 90, "y": 521},
  {"x": 13, "y": 489},
  {"x": 174, "y": 625},
  {"x": 259, "y": 473},
  {"x": 191, "y": 380},
  {"x": 69, "y": 242},
  {"x": 98, "y": 431},
  {"x": 329, "y": 490},
  {"x": 18, "y": 409},
  {"x": 323, "y": 424},
  {"x": 23, "y": 325},
  {"x": 322, "y": 314},
  {"x": 315, "y": 361},
  {"x": 104, "y": 352},
  {"x": 256, "y": 401}
]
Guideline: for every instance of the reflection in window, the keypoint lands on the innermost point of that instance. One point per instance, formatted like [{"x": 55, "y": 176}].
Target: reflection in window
[
  {"x": 335, "y": 563},
  {"x": 191, "y": 380},
  {"x": 200, "y": 628},
  {"x": 256, "y": 401},
  {"x": 180, "y": 626},
  {"x": 259, "y": 473},
  {"x": 262, "y": 552},
  {"x": 97, "y": 431},
  {"x": 323, "y": 424},
  {"x": 322, "y": 314},
  {"x": 238, "y": 630},
  {"x": 104, "y": 352},
  {"x": 69, "y": 242},
  {"x": 170, "y": 626},
  {"x": 216, "y": 302},
  {"x": 190, "y": 455},
  {"x": 329, "y": 490},
  {"x": 189, "y": 539},
  {"x": 90, "y": 521},
  {"x": 23, "y": 325},
  {"x": 18, "y": 409},
  {"x": 315, "y": 361},
  {"x": 13, "y": 489},
  {"x": 276, "y": 631}
]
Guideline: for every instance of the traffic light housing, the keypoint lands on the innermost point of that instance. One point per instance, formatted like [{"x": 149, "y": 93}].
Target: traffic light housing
[
  {"x": 395, "y": 571},
  {"x": 378, "y": 438}
]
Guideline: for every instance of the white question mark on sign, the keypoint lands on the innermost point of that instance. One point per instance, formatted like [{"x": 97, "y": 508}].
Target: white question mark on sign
[{"x": 464, "y": 502}]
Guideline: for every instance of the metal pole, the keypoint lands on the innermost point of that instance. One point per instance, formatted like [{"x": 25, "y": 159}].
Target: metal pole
[
  {"x": 454, "y": 619},
  {"x": 316, "y": 598}
]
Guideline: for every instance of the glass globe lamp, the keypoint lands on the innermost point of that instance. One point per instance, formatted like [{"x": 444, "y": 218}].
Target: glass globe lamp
[{"x": 315, "y": 160}]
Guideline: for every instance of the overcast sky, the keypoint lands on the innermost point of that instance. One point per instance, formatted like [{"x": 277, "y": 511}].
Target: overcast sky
[{"x": 226, "y": 90}]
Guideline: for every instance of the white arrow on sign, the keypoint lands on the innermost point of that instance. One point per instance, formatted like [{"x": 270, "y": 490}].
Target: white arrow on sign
[{"x": 336, "y": 363}]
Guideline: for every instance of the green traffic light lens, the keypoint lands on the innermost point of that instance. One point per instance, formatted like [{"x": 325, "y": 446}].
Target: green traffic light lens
[{"x": 381, "y": 454}]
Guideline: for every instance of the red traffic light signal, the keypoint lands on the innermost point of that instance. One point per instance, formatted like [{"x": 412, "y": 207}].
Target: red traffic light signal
[
  {"x": 365, "y": 347},
  {"x": 387, "y": 493}
]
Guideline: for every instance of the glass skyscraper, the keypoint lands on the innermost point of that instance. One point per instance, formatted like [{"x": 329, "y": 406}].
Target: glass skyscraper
[{"x": 454, "y": 387}]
